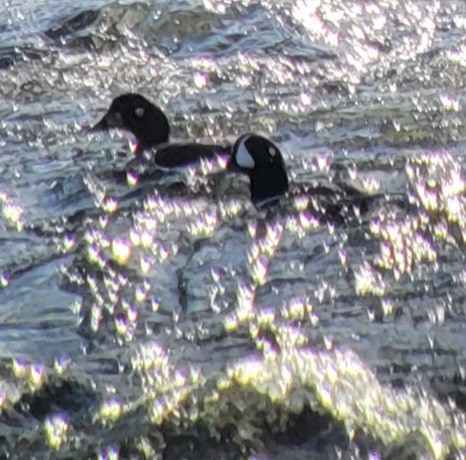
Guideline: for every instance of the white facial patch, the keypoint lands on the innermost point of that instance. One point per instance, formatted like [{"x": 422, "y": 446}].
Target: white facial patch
[
  {"x": 243, "y": 157},
  {"x": 272, "y": 152},
  {"x": 139, "y": 111}
]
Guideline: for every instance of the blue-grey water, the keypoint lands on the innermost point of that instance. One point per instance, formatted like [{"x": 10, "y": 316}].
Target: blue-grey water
[{"x": 171, "y": 319}]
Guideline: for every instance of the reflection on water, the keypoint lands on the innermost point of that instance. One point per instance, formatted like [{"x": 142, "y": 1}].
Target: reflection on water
[{"x": 166, "y": 317}]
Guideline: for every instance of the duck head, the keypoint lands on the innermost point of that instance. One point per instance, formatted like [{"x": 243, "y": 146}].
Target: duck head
[
  {"x": 134, "y": 113},
  {"x": 261, "y": 160}
]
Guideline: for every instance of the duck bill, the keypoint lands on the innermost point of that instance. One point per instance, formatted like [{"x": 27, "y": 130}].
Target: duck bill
[
  {"x": 233, "y": 167},
  {"x": 110, "y": 120},
  {"x": 102, "y": 125}
]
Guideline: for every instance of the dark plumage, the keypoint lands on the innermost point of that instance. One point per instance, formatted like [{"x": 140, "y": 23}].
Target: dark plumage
[
  {"x": 147, "y": 122},
  {"x": 261, "y": 160}
]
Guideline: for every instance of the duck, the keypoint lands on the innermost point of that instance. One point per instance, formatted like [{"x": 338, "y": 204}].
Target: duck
[
  {"x": 134, "y": 113},
  {"x": 262, "y": 162}
]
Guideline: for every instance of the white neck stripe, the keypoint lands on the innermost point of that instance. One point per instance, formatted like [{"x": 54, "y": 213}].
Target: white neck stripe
[{"x": 266, "y": 201}]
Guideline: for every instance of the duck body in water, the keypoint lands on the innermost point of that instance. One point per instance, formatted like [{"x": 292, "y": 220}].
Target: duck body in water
[
  {"x": 149, "y": 125},
  {"x": 262, "y": 161}
]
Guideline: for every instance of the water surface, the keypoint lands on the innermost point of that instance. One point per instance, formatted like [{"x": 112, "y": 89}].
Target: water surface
[{"x": 171, "y": 319}]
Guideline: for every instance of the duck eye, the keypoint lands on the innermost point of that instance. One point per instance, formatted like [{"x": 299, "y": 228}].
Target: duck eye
[
  {"x": 139, "y": 111},
  {"x": 272, "y": 152}
]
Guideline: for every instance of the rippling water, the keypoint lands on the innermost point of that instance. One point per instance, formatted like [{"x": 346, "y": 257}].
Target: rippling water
[{"x": 170, "y": 319}]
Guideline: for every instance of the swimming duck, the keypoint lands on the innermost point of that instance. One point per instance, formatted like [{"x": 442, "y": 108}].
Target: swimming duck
[
  {"x": 147, "y": 122},
  {"x": 262, "y": 161}
]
